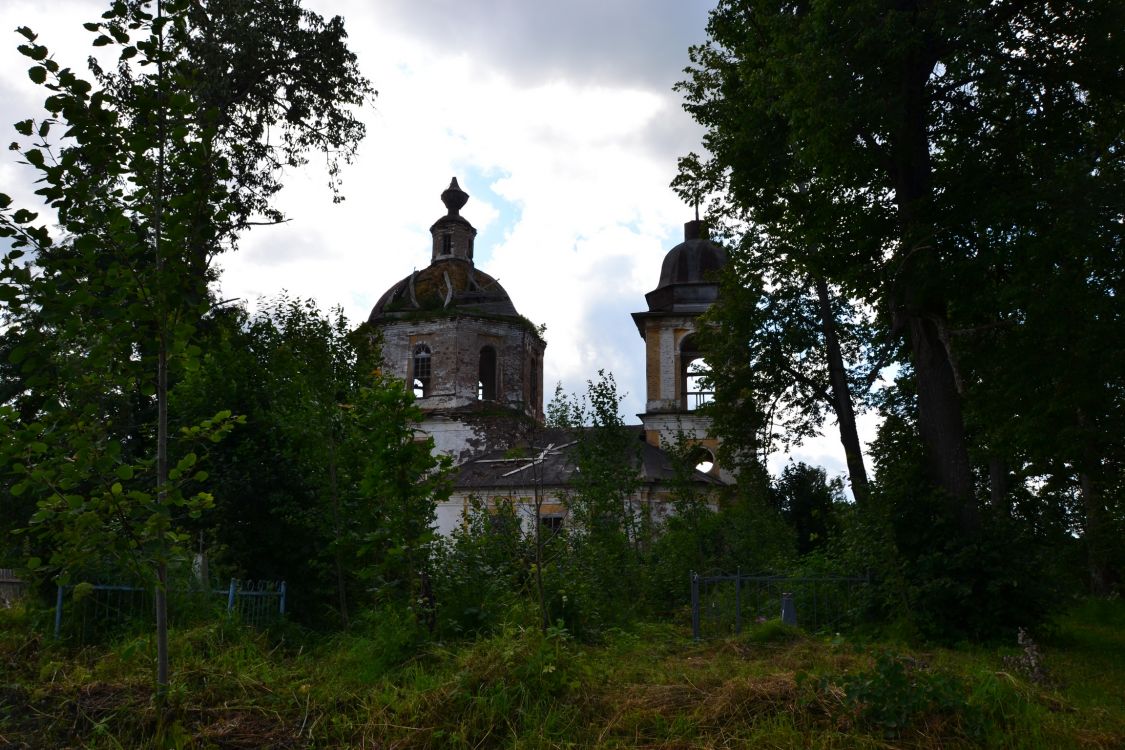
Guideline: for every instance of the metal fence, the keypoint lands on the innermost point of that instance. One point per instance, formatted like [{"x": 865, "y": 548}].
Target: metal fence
[
  {"x": 11, "y": 587},
  {"x": 724, "y": 604},
  {"x": 104, "y": 609}
]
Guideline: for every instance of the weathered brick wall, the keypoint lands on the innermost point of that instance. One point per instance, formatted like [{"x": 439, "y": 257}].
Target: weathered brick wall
[{"x": 455, "y": 343}]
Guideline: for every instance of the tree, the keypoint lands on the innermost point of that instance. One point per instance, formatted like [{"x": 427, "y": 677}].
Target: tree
[
  {"x": 401, "y": 484},
  {"x": 610, "y": 529},
  {"x": 777, "y": 343},
  {"x": 176, "y": 150},
  {"x": 294, "y": 373},
  {"x": 924, "y": 155},
  {"x": 807, "y": 499}
]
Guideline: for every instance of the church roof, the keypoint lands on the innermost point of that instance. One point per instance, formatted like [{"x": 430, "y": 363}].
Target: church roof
[
  {"x": 551, "y": 461},
  {"x": 451, "y": 285}
]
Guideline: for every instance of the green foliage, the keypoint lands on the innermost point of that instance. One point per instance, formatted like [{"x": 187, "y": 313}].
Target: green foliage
[
  {"x": 480, "y": 571},
  {"x": 165, "y": 157},
  {"x": 349, "y": 498},
  {"x": 808, "y": 501},
  {"x": 896, "y": 693},
  {"x": 96, "y": 510},
  {"x": 399, "y": 488},
  {"x": 609, "y": 530},
  {"x": 771, "y": 631},
  {"x": 1008, "y": 576}
]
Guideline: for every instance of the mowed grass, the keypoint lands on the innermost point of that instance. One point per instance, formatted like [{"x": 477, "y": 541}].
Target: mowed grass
[{"x": 651, "y": 686}]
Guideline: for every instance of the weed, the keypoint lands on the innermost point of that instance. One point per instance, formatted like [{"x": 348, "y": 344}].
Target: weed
[
  {"x": 898, "y": 693},
  {"x": 772, "y": 631}
]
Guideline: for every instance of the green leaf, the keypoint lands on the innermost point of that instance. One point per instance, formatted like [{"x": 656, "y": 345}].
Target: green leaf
[
  {"x": 38, "y": 74},
  {"x": 91, "y": 26},
  {"x": 34, "y": 563},
  {"x": 24, "y": 127},
  {"x": 102, "y": 41},
  {"x": 34, "y": 51},
  {"x": 200, "y": 476},
  {"x": 117, "y": 489},
  {"x": 17, "y": 489}
]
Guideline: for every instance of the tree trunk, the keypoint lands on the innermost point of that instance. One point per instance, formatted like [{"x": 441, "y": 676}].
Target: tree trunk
[
  {"x": 918, "y": 295},
  {"x": 940, "y": 422},
  {"x": 842, "y": 397},
  {"x": 1093, "y": 536}
]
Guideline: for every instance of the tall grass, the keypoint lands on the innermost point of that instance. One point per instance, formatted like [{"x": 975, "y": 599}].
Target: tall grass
[{"x": 385, "y": 684}]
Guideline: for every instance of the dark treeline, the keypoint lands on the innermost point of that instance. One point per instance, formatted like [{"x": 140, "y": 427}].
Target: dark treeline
[{"x": 937, "y": 187}]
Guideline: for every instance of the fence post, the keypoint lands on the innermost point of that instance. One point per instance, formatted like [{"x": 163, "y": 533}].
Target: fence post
[
  {"x": 695, "y": 605},
  {"x": 788, "y": 610},
  {"x": 58, "y": 610},
  {"x": 230, "y": 595},
  {"x": 281, "y": 599},
  {"x": 738, "y": 600}
]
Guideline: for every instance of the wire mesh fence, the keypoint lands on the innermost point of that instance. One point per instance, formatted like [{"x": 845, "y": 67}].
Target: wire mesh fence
[
  {"x": 96, "y": 612},
  {"x": 723, "y": 605}
]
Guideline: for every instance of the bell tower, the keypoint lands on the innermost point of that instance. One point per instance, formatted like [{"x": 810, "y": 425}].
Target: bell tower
[{"x": 675, "y": 369}]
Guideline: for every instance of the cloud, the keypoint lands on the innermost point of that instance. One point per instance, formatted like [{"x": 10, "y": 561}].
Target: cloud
[{"x": 624, "y": 42}]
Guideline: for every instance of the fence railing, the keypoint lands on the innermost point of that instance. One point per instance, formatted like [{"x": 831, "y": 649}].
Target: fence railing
[
  {"x": 106, "y": 607},
  {"x": 724, "y": 604},
  {"x": 11, "y": 587}
]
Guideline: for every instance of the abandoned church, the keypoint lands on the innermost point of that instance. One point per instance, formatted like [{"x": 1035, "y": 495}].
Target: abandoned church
[{"x": 476, "y": 367}]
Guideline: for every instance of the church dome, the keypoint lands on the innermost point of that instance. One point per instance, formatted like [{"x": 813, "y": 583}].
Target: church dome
[
  {"x": 696, "y": 260},
  {"x": 451, "y": 283}
]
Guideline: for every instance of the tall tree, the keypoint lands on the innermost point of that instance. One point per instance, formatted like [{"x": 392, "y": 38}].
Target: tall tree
[
  {"x": 786, "y": 353},
  {"x": 166, "y": 158},
  {"x": 892, "y": 131}
]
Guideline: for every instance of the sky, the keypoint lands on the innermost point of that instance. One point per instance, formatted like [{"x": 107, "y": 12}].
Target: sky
[{"x": 558, "y": 119}]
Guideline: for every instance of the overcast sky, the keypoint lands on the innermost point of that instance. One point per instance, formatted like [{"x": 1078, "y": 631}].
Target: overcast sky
[{"x": 558, "y": 119}]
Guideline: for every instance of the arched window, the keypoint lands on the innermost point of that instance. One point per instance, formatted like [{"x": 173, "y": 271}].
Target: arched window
[
  {"x": 695, "y": 376},
  {"x": 446, "y": 243},
  {"x": 422, "y": 373},
  {"x": 706, "y": 460},
  {"x": 486, "y": 378}
]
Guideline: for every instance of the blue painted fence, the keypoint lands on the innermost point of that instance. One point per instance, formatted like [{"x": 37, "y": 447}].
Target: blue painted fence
[{"x": 108, "y": 607}]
